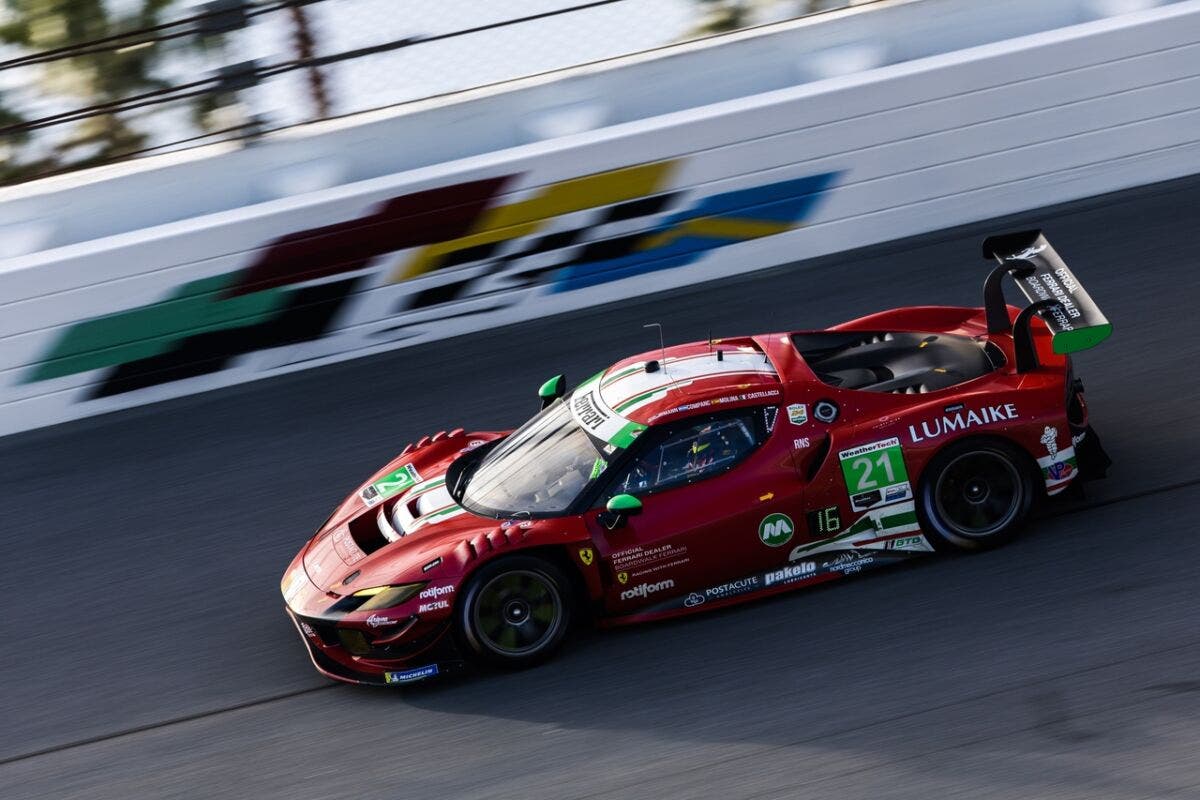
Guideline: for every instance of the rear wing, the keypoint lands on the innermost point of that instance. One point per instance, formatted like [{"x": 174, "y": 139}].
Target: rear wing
[{"x": 1054, "y": 293}]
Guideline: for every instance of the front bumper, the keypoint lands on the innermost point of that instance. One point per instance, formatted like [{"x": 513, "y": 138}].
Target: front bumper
[{"x": 330, "y": 649}]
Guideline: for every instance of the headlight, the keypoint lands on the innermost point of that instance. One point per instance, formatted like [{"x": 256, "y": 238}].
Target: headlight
[{"x": 377, "y": 597}]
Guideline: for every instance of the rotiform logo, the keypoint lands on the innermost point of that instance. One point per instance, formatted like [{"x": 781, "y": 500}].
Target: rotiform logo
[{"x": 646, "y": 589}]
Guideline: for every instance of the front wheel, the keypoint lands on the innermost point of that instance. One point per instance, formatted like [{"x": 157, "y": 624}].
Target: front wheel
[
  {"x": 515, "y": 613},
  {"x": 975, "y": 495}
]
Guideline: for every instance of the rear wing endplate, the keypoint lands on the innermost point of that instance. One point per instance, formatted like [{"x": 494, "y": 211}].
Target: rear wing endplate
[{"x": 1075, "y": 321}]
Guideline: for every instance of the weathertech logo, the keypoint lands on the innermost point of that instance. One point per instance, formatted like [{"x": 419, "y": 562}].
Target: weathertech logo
[{"x": 646, "y": 589}]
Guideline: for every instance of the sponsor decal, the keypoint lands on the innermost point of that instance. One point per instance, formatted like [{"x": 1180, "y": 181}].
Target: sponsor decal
[
  {"x": 1050, "y": 440},
  {"x": 379, "y": 620},
  {"x": 637, "y": 557},
  {"x": 915, "y": 544},
  {"x": 801, "y": 442},
  {"x": 776, "y": 530},
  {"x": 849, "y": 563},
  {"x": 762, "y": 498},
  {"x": 1027, "y": 253},
  {"x": 960, "y": 421},
  {"x": 308, "y": 631},
  {"x": 345, "y": 546},
  {"x": 797, "y": 413},
  {"x": 587, "y": 556},
  {"x": 875, "y": 474},
  {"x": 790, "y": 574},
  {"x": 733, "y": 588},
  {"x": 1077, "y": 438},
  {"x": 623, "y": 578},
  {"x": 436, "y": 562},
  {"x": 435, "y": 591},
  {"x": 471, "y": 445},
  {"x": 824, "y": 522},
  {"x": 436, "y": 605},
  {"x": 390, "y": 484},
  {"x": 1060, "y": 471},
  {"x": 693, "y": 600},
  {"x": 870, "y": 531},
  {"x": 647, "y": 589},
  {"x": 825, "y": 410},
  {"x": 410, "y": 675}
]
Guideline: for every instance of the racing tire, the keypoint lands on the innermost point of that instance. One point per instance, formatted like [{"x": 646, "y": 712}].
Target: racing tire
[
  {"x": 515, "y": 613},
  {"x": 975, "y": 494}
]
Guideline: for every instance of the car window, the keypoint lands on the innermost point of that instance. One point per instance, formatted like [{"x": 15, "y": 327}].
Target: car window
[{"x": 696, "y": 451}]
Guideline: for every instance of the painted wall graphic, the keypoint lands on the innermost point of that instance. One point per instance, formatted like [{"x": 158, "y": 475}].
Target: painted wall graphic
[{"x": 558, "y": 238}]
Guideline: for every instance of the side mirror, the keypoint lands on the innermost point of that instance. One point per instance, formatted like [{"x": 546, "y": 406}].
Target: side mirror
[
  {"x": 619, "y": 509},
  {"x": 553, "y": 389}
]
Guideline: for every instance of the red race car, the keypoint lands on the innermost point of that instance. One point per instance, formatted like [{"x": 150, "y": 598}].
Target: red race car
[{"x": 707, "y": 474}]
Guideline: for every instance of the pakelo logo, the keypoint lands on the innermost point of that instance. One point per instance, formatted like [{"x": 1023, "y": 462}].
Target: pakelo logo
[
  {"x": 435, "y": 591},
  {"x": 436, "y": 605},
  {"x": 958, "y": 421},
  {"x": 647, "y": 589},
  {"x": 378, "y": 621},
  {"x": 789, "y": 574},
  {"x": 776, "y": 530}
]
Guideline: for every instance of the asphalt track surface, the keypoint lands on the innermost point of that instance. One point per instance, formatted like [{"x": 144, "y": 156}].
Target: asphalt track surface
[{"x": 145, "y": 651}]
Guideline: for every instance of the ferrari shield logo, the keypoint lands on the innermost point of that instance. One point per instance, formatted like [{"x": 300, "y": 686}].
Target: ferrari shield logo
[
  {"x": 623, "y": 577},
  {"x": 586, "y": 556}
]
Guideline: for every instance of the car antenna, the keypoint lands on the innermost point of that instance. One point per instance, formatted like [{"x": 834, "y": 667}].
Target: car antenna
[{"x": 654, "y": 366}]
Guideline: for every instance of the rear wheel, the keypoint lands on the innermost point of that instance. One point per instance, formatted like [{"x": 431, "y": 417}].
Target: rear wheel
[
  {"x": 975, "y": 494},
  {"x": 516, "y": 612}
]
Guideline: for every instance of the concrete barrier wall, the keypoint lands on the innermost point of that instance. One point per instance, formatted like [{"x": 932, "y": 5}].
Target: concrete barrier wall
[{"x": 683, "y": 197}]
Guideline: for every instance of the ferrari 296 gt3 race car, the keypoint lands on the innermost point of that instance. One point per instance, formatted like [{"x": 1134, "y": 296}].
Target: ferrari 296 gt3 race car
[{"x": 706, "y": 474}]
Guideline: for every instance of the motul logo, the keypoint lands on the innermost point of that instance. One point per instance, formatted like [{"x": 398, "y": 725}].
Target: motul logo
[{"x": 646, "y": 589}]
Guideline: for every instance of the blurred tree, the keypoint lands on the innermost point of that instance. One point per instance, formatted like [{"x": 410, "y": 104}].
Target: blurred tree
[{"x": 88, "y": 78}]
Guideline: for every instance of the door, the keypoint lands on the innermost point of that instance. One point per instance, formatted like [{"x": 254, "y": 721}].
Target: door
[{"x": 720, "y": 501}]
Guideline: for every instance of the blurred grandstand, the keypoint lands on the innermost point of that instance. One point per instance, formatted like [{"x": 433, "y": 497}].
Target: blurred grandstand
[{"x": 90, "y": 82}]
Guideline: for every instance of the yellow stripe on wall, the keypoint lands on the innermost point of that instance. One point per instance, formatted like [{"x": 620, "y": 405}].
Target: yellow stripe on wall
[{"x": 527, "y": 216}]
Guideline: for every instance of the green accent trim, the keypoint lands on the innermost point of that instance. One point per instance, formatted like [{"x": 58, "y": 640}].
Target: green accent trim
[
  {"x": 598, "y": 467},
  {"x": 618, "y": 375},
  {"x": 553, "y": 388},
  {"x": 1081, "y": 338},
  {"x": 624, "y": 504},
  {"x": 638, "y": 398},
  {"x": 625, "y": 437},
  {"x": 152, "y": 330},
  {"x": 897, "y": 520}
]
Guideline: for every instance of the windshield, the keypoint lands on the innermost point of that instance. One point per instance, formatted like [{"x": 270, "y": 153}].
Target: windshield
[{"x": 540, "y": 469}]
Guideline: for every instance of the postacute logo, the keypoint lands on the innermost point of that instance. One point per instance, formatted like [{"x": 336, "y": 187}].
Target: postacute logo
[
  {"x": 776, "y": 530},
  {"x": 586, "y": 556},
  {"x": 797, "y": 413},
  {"x": 693, "y": 600},
  {"x": 647, "y": 589}
]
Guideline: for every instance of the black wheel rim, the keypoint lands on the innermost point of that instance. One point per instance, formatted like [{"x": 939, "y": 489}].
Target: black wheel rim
[
  {"x": 517, "y": 613},
  {"x": 979, "y": 493}
]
